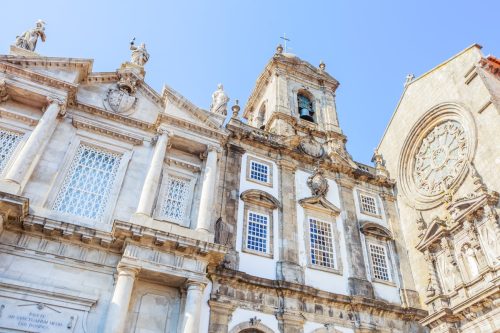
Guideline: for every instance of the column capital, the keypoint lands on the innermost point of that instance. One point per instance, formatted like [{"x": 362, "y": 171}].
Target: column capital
[
  {"x": 61, "y": 103},
  {"x": 345, "y": 182},
  {"x": 195, "y": 285},
  {"x": 125, "y": 270},
  {"x": 287, "y": 165},
  {"x": 163, "y": 130}
]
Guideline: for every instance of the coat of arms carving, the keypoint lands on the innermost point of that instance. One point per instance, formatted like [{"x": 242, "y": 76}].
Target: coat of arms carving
[
  {"x": 121, "y": 99},
  {"x": 318, "y": 183},
  {"x": 311, "y": 147}
]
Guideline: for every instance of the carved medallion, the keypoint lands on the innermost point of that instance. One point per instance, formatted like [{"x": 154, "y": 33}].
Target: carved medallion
[
  {"x": 311, "y": 147},
  {"x": 318, "y": 183},
  {"x": 440, "y": 158},
  {"x": 119, "y": 100}
]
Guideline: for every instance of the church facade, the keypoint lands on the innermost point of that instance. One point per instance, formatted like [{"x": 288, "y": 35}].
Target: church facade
[{"x": 127, "y": 210}]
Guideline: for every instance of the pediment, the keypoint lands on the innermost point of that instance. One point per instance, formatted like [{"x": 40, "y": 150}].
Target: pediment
[
  {"x": 68, "y": 70},
  {"x": 375, "y": 229},
  {"x": 177, "y": 106},
  {"x": 260, "y": 198},
  {"x": 321, "y": 204},
  {"x": 434, "y": 231}
]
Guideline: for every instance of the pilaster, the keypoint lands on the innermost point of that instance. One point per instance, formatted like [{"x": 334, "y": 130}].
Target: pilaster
[
  {"x": 220, "y": 314},
  {"x": 291, "y": 322},
  {"x": 358, "y": 283},
  {"x": 288, "y": 268}
]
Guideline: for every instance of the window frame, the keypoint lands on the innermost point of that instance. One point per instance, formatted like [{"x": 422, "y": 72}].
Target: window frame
[
  {"x": 106, "y": 144},
  {"x": 160, "y": 204},
  {"x": 251, "y": 208},
  {"x": 362, "y": 194},
  {"x": 337, "y": 269},
  {"x": 13, "y": 154},
  {"x": 386, "y": 245},
  {"x": 269, "y": 166}
]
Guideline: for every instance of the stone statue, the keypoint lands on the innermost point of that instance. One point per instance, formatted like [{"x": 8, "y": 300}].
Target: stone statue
[
  {"x": 140, "y": 55},
  {"x": 470, "y": 258},
  {"x": 219, "y": 101},
  {"x": 28, "y": 39}
]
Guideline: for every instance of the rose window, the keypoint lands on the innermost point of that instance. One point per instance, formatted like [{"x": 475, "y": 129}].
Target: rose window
[{"x": 440, "y": 158}]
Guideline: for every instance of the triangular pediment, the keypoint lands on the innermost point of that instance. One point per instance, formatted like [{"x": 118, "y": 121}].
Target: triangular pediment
[
  {"x": 434, "y": 231},
  {"x": 321, "y": 204}
]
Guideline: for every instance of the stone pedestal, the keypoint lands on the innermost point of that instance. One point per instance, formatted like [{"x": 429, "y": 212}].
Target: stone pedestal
[
  {"x": 192, "y": 308},
  {"x": 118, "y": 307},
  {"x": 358, "y": 283},
  {"x": 24, "y": 163},
  {"x": 207, "y": 191},
  {"x": 149, "y": 189},
  {"x": 288, "y": 268}
]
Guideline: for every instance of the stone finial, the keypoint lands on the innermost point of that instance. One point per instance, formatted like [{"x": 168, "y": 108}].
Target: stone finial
[
  {"x": 380, "y": 169},
  {"x": 140, "y": 55},
  {"x": 4, "y": 95},
  {"x": 322, "y": 65},
  {"x": 236, "y": 109},
  {"x": 219, "y": 101},
  {"x": 279, "y": 49},
  {"x": 409, "y": 78}
]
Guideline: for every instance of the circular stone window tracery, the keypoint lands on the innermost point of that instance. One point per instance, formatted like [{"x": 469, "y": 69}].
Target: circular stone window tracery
[
  {"x": 440, "y": 158},
  {"x": 435, "y": 155}
]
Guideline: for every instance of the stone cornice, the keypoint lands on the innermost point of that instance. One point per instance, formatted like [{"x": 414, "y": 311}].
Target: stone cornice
[
  {"x": 7, "y": 113},
  {"x": 98, "y": 127},
  {"x": 241, "y": 279},
  {"x": 193, "y": 127},
  {"x": 114, "y": 116}
]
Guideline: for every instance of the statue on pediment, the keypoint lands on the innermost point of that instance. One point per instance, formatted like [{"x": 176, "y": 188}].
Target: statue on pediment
[
  {"x": 219, "y": 101},
  {"x": 29, "y": 38},
  {"x": 140, "y": 55}
]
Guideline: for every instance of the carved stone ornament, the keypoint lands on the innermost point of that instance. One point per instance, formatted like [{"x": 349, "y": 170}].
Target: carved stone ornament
[
  {"x": 441, "y": 156},
  {"x": 318, "y": 183},
  {"x": 4, "y": 95},
  {"x": 254, "y": 321},
  {"x": 120, "y": 99},
  {"x": 29, "y": 38},
  {"x": 311, "y": 147}
]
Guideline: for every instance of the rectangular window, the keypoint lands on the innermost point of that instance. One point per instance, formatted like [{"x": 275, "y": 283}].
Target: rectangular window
[
  {"x": 176, "y": 198},
  {"x": 86, "y": 188},
  {"x": 257, "y": 233},
  {"x": 321, "y": 243},
  {"x": 259, "y": 171},
  {"x": 368, "y": 204},
  {"x": 379, "y": 262},
  {"x": 8, "y": 143}
]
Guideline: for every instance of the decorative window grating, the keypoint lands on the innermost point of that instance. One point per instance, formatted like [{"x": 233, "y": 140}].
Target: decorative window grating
[
  {"x": 257, "y": 233},
  {"x": 8, "y": 143},
  {"x": 87, "y": 185},
  {"x": 368, "y": 204},
  {"x": 176, "y": 199},
  {"x": 259, "y": 171},
  {"x": 321, "y": 243},
  {"x": 379, "y": 262}
]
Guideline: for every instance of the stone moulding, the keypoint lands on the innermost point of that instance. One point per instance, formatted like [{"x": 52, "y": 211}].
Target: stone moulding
[
  {"x": 406, "y": 164},
  {"x": 97, "y": 127},
  {"x": 260, "y": 198}
]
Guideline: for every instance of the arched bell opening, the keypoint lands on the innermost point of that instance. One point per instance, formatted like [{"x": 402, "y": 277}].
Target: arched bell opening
[{"x": 305, "y": 106}]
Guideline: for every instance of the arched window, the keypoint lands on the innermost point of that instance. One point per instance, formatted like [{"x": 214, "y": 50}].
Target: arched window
[{"x": 306, "y": 109}]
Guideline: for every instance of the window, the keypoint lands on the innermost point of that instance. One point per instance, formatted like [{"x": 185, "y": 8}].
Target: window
[
  {"x": 257, "y": 233},
  {"x": 322, "y": 249},
  {"x": 368, "y": 204},
  {"x": 8, "y": 143},
  {"x": 176, "y": 198},
  {"x": 259, "y": 171},
  {"x": 86, "y": 188},
  {"x": 378, "y": 257}
]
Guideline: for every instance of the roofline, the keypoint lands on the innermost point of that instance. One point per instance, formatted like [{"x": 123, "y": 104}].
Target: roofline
[{"x": 418, "y": 78}]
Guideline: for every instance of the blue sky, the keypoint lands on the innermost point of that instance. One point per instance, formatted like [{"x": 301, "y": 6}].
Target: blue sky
[{"x": 369, "y": 46}]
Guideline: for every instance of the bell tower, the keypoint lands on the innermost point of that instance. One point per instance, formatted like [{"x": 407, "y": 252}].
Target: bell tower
[{"x": 291, "y": 92}]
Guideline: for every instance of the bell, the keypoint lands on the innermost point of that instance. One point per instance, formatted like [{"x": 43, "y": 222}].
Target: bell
[{"x": 306, "y": 115}]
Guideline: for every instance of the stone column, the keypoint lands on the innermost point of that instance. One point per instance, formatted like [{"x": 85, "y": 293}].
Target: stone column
[
  {"x": 28, "y": 157},
  {"x": 219, "y": 316},
  {"x": 288, "y": 267},
  {"x": 149, "y": 189},
  {"x": 358, "y": 284},
  {"x": 208, "y": 190},
  {"x": 192, "y": 308},
  {"x": 409, "y": 296},
  {"x": 118, "y": 308}
]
